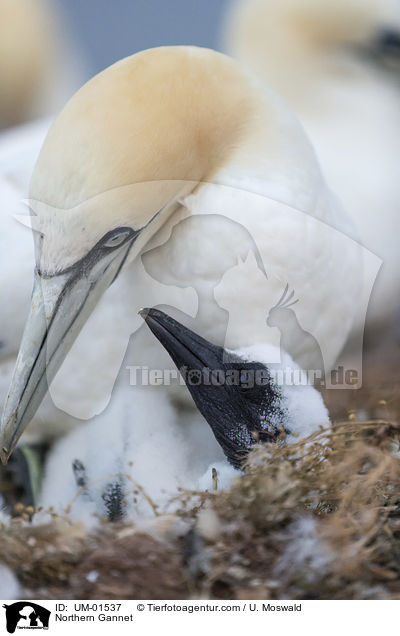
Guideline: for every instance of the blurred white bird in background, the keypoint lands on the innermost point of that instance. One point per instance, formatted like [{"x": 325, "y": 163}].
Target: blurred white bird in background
[
  {"x": 338, "y": 65},
  {"x": 40, "y": 66}
]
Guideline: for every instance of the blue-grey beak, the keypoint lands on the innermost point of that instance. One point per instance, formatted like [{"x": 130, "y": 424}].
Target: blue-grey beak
[{"x": 61, "y": 304}]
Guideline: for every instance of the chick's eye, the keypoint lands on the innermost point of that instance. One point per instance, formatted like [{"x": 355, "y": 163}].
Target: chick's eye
[{"x": 115, "y": 240}]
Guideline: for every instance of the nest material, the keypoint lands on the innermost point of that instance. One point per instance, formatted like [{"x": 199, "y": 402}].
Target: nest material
[
  {"x": 315, "y": 519},
  {"x": 61, "y": 560},
  {"x": 318, "y": 519}
]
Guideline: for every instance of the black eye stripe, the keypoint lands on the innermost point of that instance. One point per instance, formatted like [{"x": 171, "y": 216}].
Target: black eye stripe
[
  {"x": 112, "y": 240},
  {"x": 85, "y": 264},
  {"x": 116, "y": 238}
]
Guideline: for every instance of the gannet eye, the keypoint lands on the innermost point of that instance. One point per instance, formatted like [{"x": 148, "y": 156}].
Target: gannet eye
[{"x": 116, "y": 239}]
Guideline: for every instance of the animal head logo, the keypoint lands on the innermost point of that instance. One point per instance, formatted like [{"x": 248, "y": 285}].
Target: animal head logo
[{"x": 26, "y": 615}]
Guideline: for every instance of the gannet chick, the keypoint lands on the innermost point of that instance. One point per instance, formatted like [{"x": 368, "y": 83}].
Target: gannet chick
[
  {"x": 244, "y": 398},
  {"x": 38, "y": 68},
  {"x": 155, "y": 138},
  {"x": 132, "y": 461},
  {"x": 337, "y": 64}
]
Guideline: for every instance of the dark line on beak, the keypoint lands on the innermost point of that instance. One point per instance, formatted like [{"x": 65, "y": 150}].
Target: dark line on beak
[
  {"x": 63, "y": 293},
  {"x": 124, "y": 259},
  {"x": 54, "y": 353}
]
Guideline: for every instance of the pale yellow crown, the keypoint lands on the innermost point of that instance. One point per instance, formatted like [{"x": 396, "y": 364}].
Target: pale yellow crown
[
  {"x": 166, "y": 113},
  {"x": 144, "y": 132}
]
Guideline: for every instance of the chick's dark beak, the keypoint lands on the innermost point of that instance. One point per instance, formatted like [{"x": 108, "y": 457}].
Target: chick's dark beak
[
  {"x": 213, "y": 377},
  {"x": 186, "y": 348}
]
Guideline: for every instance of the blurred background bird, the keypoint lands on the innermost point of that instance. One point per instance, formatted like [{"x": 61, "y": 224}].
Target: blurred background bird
[
  {"x": 40, "y": 66},
  {"x": 338, "y": 65}
]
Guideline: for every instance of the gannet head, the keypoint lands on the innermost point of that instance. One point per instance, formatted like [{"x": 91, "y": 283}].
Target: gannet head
[
  {"x": 244, "y": 399},
  {"x": 123, "y": 151},
  {"x": 291, "y": 41}
]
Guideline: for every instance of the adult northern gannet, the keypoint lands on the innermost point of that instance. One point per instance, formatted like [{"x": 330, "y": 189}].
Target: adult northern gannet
[
  {"x": 164, "y": 134},
  {"x": 338, "y": 66},
  {"x": 39, "y": 70},
  {"x": 131, "y": 462}
]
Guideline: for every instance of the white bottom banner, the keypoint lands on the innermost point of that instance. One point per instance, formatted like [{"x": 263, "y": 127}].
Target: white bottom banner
[{"x": 183, "y": 617}]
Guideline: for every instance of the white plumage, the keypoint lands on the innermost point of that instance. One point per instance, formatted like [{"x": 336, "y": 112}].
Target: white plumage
[{"x": 144, "y": 448}]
